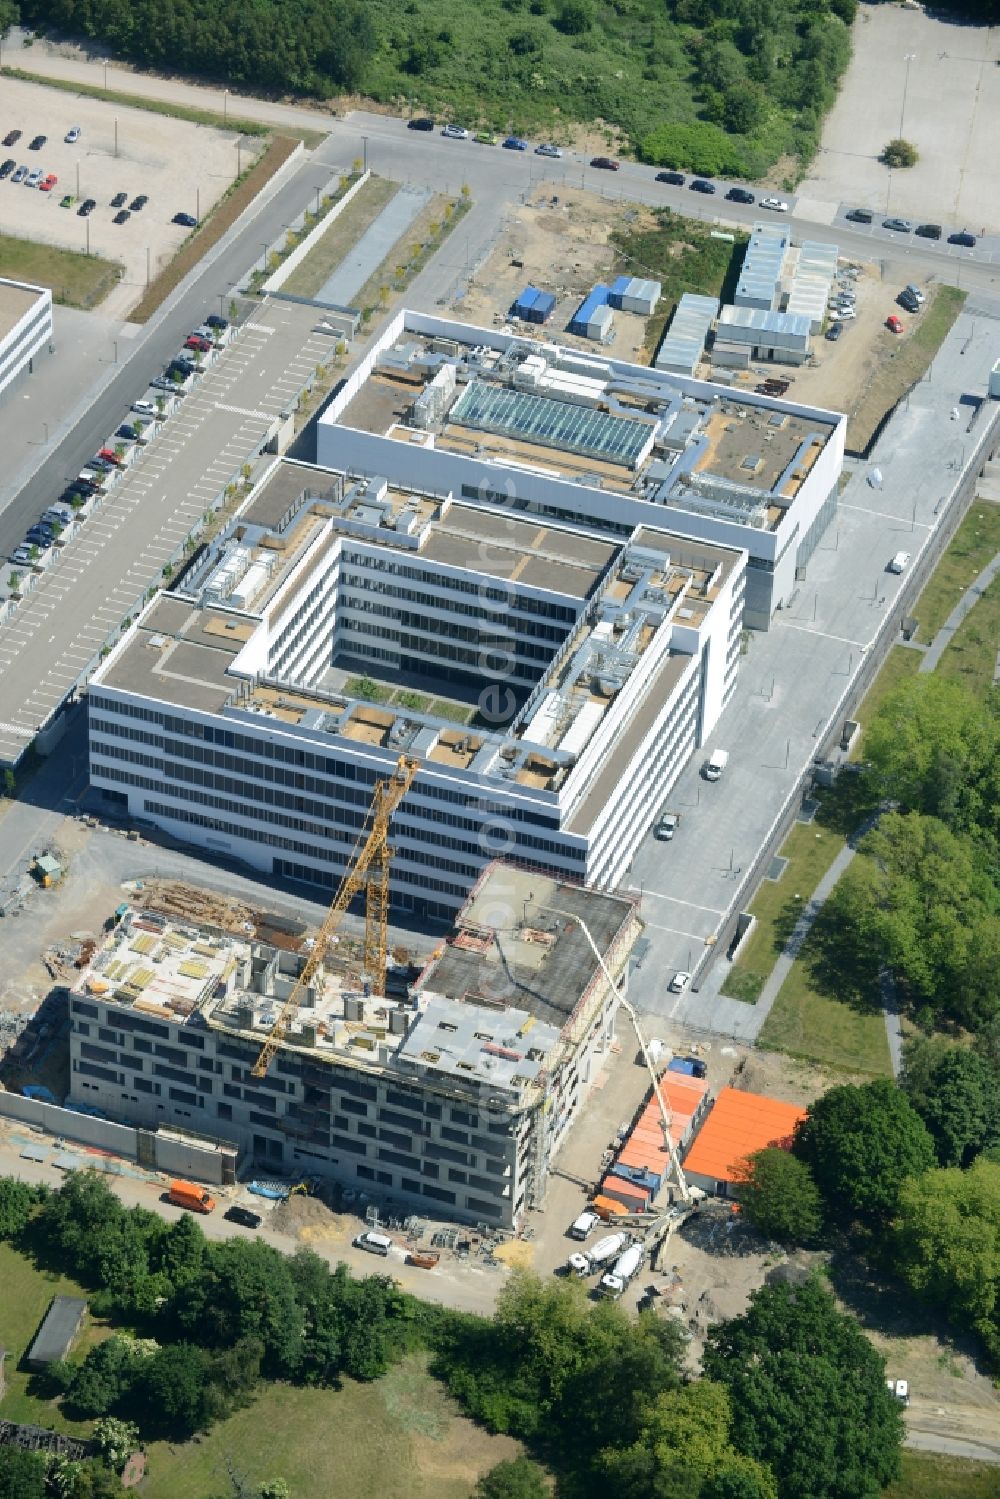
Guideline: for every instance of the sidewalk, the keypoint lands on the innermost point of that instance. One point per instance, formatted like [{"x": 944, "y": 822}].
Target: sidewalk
[{"x": 966, "y": 603}]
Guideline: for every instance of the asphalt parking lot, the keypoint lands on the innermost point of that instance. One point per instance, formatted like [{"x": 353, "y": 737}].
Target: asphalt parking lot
[
  {"x": 123, "y": 547},
  {"x": 180, "y": 167}
]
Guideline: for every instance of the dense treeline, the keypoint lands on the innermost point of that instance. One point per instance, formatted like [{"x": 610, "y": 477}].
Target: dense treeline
[
  {"x": 300, "y": 46},
  {"x": 911, "y": 1173},
  {"x": 794, "y": 1405},
  {"x": 715, "y": 85}
]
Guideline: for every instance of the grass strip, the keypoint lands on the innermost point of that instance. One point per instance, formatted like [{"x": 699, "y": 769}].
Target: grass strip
[
  {"x": 907, "y": 363},
  {"x": 76, "y": 279},
  {"x": 343, "y": 233}
]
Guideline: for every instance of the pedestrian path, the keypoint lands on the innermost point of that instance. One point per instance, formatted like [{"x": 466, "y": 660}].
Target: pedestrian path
[
  {"x": 969, "y": 599},
  {"x": 374, "y": 245}
]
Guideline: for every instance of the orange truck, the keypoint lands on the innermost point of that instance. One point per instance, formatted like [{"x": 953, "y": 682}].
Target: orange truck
[{"x": 187, "y": 1195}]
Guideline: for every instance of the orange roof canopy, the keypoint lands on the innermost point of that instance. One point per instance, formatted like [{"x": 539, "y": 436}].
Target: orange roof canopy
[{"x": 739, "y": 1124}]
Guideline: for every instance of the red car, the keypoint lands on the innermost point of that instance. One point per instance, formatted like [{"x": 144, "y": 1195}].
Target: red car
[
  {"x": 893, "y": 324},
  {"x": 200, "y": 345},
  {"x": 110, "y": 456},
  {"x": 606, "y": 163},
  {"x": 48, "y": 183}
]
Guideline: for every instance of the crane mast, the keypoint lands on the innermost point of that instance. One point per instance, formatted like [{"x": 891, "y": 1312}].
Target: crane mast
[{"x": 368, "y": 870}]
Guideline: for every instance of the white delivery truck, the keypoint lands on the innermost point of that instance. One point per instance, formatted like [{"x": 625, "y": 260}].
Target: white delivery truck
[
  {"x": 625, "y": 1267},
  {"x": 584, "y": 1225},
  {"x": 716, "y": 764},
  {"x": 607, "y": 1249},
  {"x": 374, "y": 1243}
]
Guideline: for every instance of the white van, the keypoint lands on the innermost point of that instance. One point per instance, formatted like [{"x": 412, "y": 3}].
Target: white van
[
  {"x": 374, "y": 1243},
  {"x": 583, "y": 1225},
  {"x": 899, "y": 563}
]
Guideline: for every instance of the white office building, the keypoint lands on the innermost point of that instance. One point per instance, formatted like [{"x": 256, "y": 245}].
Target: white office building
[
  {"x": 551, "y": 686},
  {"x": 533, "y": 428},
  {"x": 451, "y": 1096},
  {"x": 25, "y": 328}
]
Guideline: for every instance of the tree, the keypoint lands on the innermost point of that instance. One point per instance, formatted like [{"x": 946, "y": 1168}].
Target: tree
[
  {"x": 172, "y": 1391},
  {"x": 275, "y": 1488},
  {"x": 957, "y": 1095},
  {"x": 115, "y": 1440},
  {"x": 946, "y": 1244},
  {"x": 899, "y": 153},
  {"x": 106, "y": 1376},
  {"x": 520, "y": 1479},
  {"x": 573, "y": 17},
  {"x": 861, "y": 1143},
  {"x": 779, "y": 1197},
  {"x": 22, "y": 1474},
  {"x": 17, "y": 1202},
  {"x": 808, "y": 1394}
]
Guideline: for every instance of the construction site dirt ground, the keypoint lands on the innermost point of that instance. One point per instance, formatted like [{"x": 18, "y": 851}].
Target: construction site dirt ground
[{"x": 560, "y": 243}]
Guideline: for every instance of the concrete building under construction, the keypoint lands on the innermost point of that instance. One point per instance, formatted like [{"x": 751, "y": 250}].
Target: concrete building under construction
[{"x": 451, "y": 1096}]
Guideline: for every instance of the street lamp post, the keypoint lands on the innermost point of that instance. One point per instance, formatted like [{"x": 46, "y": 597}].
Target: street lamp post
[
  {"x": 225, "y": 105},
  {"x": 908, "y": 57},
  {"x": 364, "y": 142}
]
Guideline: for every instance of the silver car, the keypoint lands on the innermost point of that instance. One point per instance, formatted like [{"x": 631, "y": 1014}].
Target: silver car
[{"x": 34, "y": 177}]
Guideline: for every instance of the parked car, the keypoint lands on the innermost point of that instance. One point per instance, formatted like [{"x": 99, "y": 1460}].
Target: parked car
[
  {"x": 121, "y": 217},
  {"x": 138, "y": 203},
  {"x": 776, "y": 205},
  {"x": 19, "y": 174},
  {"x": 220, "y": 324},
  {"x": 680, "y": 981},
  {"x": 676, "y": 179},
  {"x": 34, "y": 177},
  {"x": 900, "y": 226},
  {"x": 963, "y": 237},
  {"x": 48, "y": 183},
  {"x": 67, "y": 200},
  {"x": 145, "y": 408},
  {"x": 422, "y": 122},
  {"x": 605, "y": 163},
  {"x": 485, "y": 138},
  {"x": 22, "y": 556},
  {"x": 740, "y": 195},
  {"x": 455, "y": 132},
  {"x": 834, "y": 331},
  {"x": 119, "y": 200},
  {"x": 893, "y": 323},
  {"x": 72, "y": 135},
  {"x": 87, "y": 207},
  {"x": 12, "y": 137},
  {"x": 898, "y": 563},
  {"x": 515, "y": 143},
  {"x": 547, "y": 149},
  {"x": 701, "y": 185},
  {"x": 201, "y": 345},
  {"x": 111, "y": 456},
  {"x": 38, "y": 143},
  {"x": 908, "y": 302},
  {"x": 187, "y": 219},
  {"x": 7, "y": 167},
  {"x": 928, "y": 231},
  {"x": 244, "y": 1216},
  {"x": 859, "y": 215},
  {"x": 162, "y": 382}
]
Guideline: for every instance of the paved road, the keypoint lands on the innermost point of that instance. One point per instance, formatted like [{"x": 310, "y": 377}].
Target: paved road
[
  {"x": 103, "y": 392},
  {"x": 102, "y": 575},
  {"x": 792, "y": 677}
]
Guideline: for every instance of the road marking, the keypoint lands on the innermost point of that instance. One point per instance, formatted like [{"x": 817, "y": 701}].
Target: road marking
[
  {"x": 823, "y": 635},
  {"x": 678, "y": 931},
  {"x": 658, "y": 895},
  {"x": 923, "y": 525}
]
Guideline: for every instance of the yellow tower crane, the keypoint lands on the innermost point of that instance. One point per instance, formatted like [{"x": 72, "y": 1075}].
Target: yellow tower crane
[{"x": 368, "y": 868}]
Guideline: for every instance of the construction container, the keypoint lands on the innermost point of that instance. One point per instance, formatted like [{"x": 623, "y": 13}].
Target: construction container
[
  {"x": 588, "y": 309},
  {"x": 608, "y": 1207},
  {"x": 601, "y": 326},
  {"x": 533, "y": 305},
  {"x": 633, "y": 294},
  {"x": 634, "y": 1199}
]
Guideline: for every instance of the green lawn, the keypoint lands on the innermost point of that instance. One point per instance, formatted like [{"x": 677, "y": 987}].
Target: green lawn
[
  {"x": 682, "y": 255},
  {"x": 905, "y": 362},
  {"x": 818, "y": 1028},
  {"x": 971, "y": 655},
  {"x": 400, "y": 1436},
  {"x": 900, "y": 664},
  {"x": 25, "y": 1294},
  {"x": 810, "y": 851},
  {"x": 344, "y": 232},
  {"x": 975, "y": 543},
  {"x": 78, "y": 280},
  {"x": 929, "y": 1476}
]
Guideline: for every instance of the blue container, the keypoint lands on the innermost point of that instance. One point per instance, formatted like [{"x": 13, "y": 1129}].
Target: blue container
[
  {"x": 525, "y": 302},
  {"x": 618, "y": 289},
  {"x": 543, "y": 308},
  {"x": 682, "y": 1064},
  {"x": 583, "y": 314}
]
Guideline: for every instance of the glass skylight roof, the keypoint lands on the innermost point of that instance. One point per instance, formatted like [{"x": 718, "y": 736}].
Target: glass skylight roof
[{"x": 557, "y": 424}]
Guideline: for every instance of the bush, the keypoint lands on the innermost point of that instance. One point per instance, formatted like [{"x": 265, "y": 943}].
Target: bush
[
  {"x": 900, "y": 153},
  {"x": 700, "y": 148},
  {"x": 573, "y": 17}
]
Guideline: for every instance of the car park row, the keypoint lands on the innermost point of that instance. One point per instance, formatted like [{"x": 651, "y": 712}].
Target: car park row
[{"x": 143, "y": 423}]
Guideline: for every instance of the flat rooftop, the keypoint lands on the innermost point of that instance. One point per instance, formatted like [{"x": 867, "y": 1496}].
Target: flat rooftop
[
  {"x": 622, "y": 428},
  {"x": 611, "y": 601},
  {"x": 516, "y": 942},
  {"x": 16, "y": 298}
]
